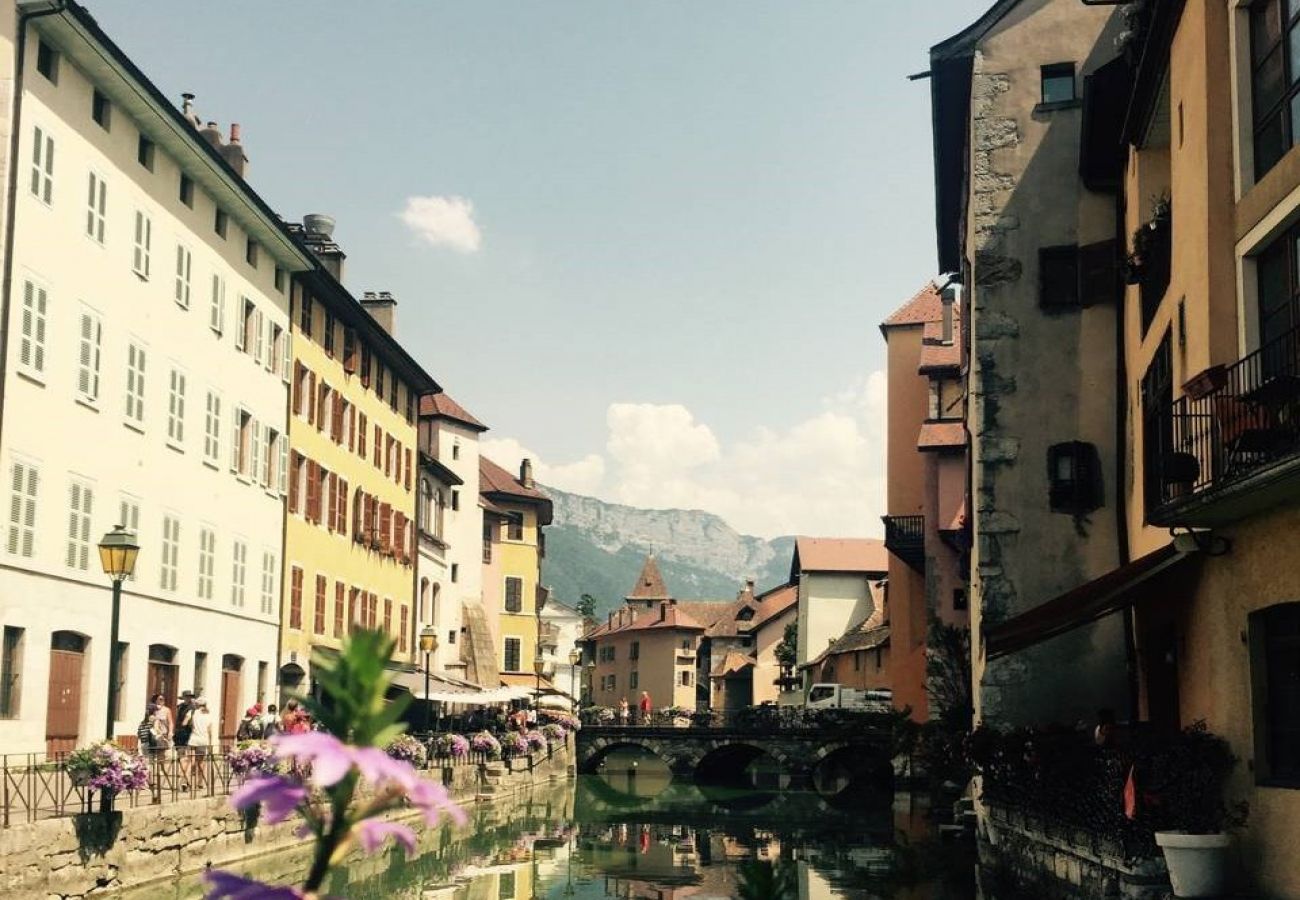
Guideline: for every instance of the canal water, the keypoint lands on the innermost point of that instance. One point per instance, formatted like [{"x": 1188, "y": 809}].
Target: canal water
[{"x": 635, "y": 832}]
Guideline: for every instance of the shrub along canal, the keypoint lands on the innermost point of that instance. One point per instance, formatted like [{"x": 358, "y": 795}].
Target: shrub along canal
[{"x": 634, "y": 831}]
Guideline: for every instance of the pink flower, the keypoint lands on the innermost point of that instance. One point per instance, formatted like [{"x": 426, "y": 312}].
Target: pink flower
[
  {"x": 236, "y": 887},
  {"x": 372, "y": 833},
  {"x": 330, "y": 759},
  {"x": 278, "y": 796}
]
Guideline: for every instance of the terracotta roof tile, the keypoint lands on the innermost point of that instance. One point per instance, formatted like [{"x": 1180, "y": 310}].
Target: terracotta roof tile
[
  {"x": 732, "y": 663},
  {"x": 441, "y": 406},
  {"x": 705, "y": 612},
  {"x": 858, "y": 639},
  {"x": 937, "y": 355},
  {"x": 926, "y": 305},
  {"x": 495, "y": 480},
  {"x": 941, "y": 436},
  {"x": 660, "y": 616},
  {"x": 650, "y": 583},
  {"x": 840, "y": 555},
  {"x": 773, "y": 603}
]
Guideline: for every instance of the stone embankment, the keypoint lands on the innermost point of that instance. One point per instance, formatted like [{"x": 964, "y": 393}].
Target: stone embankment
[{"x": 95, "y": 853}]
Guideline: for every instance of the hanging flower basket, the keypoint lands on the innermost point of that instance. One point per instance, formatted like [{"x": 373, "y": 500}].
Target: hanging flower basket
[{"x": 107, "y": 768}]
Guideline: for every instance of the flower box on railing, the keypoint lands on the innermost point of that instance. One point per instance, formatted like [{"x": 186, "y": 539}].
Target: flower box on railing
[{"x": 1207, "y": 382}]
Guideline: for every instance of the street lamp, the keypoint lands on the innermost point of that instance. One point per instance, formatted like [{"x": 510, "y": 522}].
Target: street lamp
[
  {"x": 575, "y": 657},
  {"x": 117, "y": 553},
  {"x": 539, "y": 666},
  {"x": 428, "y": 644}
]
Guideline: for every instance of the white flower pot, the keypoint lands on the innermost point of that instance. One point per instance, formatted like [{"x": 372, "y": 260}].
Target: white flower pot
[{"x": 1198, "y": 863}]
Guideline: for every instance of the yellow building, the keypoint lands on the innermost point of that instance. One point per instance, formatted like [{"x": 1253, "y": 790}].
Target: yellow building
[
  {"x": 514, "y": 574},
  {"x": 350, "y": 529}
]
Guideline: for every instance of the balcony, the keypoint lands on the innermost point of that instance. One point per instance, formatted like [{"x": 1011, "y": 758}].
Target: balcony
[
  {"x": 905, "y": 538},
  {"x": 1230, "y": 447}
]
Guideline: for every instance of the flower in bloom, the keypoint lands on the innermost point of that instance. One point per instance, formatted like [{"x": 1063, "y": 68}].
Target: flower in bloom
[
  {"x": 372, "y": 833},
  {"x": 229, "y": 886},
  {"x": 278, "y": 795}
]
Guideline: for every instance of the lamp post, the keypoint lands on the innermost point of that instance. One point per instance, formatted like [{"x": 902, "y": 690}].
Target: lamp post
[
  {"x": 428, "y": 644},
  {"x": 539, "y": 666},
  {"x": 117, "y": 553},
  {"x": 575, "y": 657}
]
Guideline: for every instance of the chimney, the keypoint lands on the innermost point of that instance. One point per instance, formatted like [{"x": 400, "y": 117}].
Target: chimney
[
  {"x": 382, "y": 308},
  {"x": 234, "y": 152},
  {"x": 949, "y": 298},
  {"x": 212, "y": 134},
  {"x": 318, "y": 235},
  {"x": 187, "y": 110},
  {"x": 526, "y": 473}
]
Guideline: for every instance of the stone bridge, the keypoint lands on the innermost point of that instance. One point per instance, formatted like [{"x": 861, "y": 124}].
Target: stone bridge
[{"x": 806, "y": 755}]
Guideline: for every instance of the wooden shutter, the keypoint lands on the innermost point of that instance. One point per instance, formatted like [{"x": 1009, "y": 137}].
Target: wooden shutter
[
  {"x": 399, "y": 535},
  {"x": 333, "y": 517},
  {"x": 338, "y": 609},
  {"x": 361, "y": 435},
  {"x": 385, "y": 527},
  {"x": 349, "y": 350},
  {"x": 295, "y": 464},
  {"x": 352, "y": 610},
  {"x": 365, "y": 366},
  {"x": 311, "y": 398},
  {"x": 313, "y": 491},
  {"x": 297, "y": 388},
  {"x": 341, "y": 525},
  {"x": 352, "y": 429},
  {"x": 336, "y": 425},
  {"x": 408, "y": 468},
  {"x": 379, "y": 445},
  {"x": 295, "y": 598}
]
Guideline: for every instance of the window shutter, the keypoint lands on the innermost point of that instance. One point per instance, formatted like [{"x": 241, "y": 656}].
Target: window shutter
[
  {"x": 336, "y": 424},
  {"x": 333, "y": 488},
  {"x": 234, "y": 438},
  {"x": 408, "y": 468},
  {"x": 241, "y": 325},
  {"x": 352, "y": 429},
  {"x": 385, "y": 527},
  {"x": 1099, "y": 273},
  {"x": 259, "y": 337},
  {"x": 341, "y": 513},
  {"x": 283, "y": 486},
  {"x": 297, "y": 389},
  {"x": 311, "y": 397},
  {"x": 295, "y": 466},
  {"x": 286, "y": 351},
  {"x": 255, "y": 456},
  {"x": 311, "y": 490},
  {"x": 349, "y": 350}
]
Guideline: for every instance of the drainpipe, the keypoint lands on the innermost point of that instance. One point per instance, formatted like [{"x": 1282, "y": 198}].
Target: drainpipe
[
  {"x": 11, "y": 186},
  {"x": 1121, "y": 457}
]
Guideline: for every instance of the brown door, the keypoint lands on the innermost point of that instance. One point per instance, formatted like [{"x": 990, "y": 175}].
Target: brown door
[
  {"x": 63, "y": 712},
  {"x": 230, "y": 694}
]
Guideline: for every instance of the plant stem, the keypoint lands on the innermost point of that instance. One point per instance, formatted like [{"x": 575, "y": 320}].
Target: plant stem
[{"x": 327, "y": 843}]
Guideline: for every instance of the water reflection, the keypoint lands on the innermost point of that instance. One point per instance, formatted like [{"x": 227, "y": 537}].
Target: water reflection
[{"x": 636, "y": 831}]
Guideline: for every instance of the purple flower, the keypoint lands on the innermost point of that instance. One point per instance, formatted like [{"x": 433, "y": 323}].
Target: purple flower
[
  {"x": 329, "y": 758},
  {"x": 372, "y": 833},
  {"x": 431, "y": 799},
  {"x": 236, "y": 887},
  {"x": 278, "y": 795}
]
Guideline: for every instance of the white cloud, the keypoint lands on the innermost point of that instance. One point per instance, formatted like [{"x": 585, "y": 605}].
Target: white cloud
[
  {"x": 823, "y": 475},
  {"x": 443, "y": 222}
]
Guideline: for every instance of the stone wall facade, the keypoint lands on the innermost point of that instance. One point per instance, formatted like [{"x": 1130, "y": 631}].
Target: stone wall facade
[
  {"x": 80, "y": 855},
  {"x": 1023, "y": 854}
]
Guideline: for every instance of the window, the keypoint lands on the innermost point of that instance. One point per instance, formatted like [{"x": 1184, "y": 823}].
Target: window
[
  {"x": 513, "y": 651},
  {"x": 184, "y": 263},
  {"x": 1074, "y": 477},
  {"x": 96, "y": 207},
  {"x": 278, "y": 279},
  {"x": 241, "y": 440},
  {"x": 144, "y": 152},
  {"x": 176, "y": 408},
  {"x": 220, "y": 223},
  {"x": 250, "y": 252},
  {"x": 268, "y": 582},
  {"x": 634, "y": 681},
  {"x": 42, "y": 183},
  {"x": 282, "y": 347},
  {"x": 217, "y": 313},
  {"x": 282, "y": 471},
  {"x": 1058, "y": 83},
  {"x": 392, "y": 392},
  {"x": 186, "y": 190},
  {"x": 1157, "y": 422},
  {"x": 239, "y": 570},
  {"x": 128, "y": 516},
  {"x": 685, "y": 678},
  {"x": 379, "y": 379},
  {"x": 455, "y": 451},
  {"x": 635, "y": 651},
  {"x": 349, "y": 350},
  {"x": 338, "y": 609},
  {"x": 388, "y": 615},
  {"x": 455, "y": 572},
  {"x": 81, "y": 503},
  {"x": 207, "y": 562},
  {"x": 11, "y": 672},
  {"x": 31, "y": 342},
  {"x": 305, "y": 316},
  {"x": 200, "y": 673},
  {"x": 506, "y": 886},
  {"x": 90, "y": 335},
  {"x": 295, "y": 597},
  {"x": 514, "y": 594},
  {"x": 47, "y": 61},
  {"x": 327, "y": 334},
  {"x": 1058, "y": 277},
  {"x": 171, "y": 551},
  {"x": 246, "y": 326},
  {"x": 959, "y": 598},
  {"x": 1279, "y": 290},
  {"x": 24, "y": 480},
  {"x": 143, "y": 240},
  {"x": 515, "y": 528},
  {"x": 455, "y": 500},
  {"x": 1275, "y": 671},
  {"x": 212, "y": 429},
  {"x": 135, "y": 364},
  {"x": 1275, "y": 91},
  {"x": 318, "y": 609},
  {"x": 365, "y": 365},
  {"x": 401, "y": 630}
]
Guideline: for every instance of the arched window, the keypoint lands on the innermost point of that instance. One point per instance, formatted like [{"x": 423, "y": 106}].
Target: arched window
[
  {"x": 434, "y": 617},
  {"x": 426, "y": 506},
  {"x": 422, "y": 602}
]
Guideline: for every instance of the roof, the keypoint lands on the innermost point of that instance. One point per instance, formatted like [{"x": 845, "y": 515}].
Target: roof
[
  {"x": 650, "y": 583},
  {"x": 497, "y": 484},
  {"x": 936, "y": 353},
  {"x": 440, "y": 471},
  {"x": 926, "y": 305},
  {"x": 732, "y": 664},
  {"x": 75, "y": 32},
  {"x": 666, "y": 615},
  {"x": 941, "y": 436},
  {"x": 860, "y": 638},
  {"x": 441, "y": 406},
  {"x": 773, "y": 603},
  {"x": 839, "y": 555},
  {"x": 705, "y": 612}
]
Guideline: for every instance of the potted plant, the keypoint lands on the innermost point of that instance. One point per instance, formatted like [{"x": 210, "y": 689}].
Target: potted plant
[
  {"x": 1190, "y": 816},
  {"x": 107, "y": 768}
]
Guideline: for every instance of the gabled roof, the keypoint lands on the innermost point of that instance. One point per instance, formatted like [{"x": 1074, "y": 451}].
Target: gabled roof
[
  {"x": 664, "y": 615},
  {"x": 733, "y": 664},
  {"x": 867, "y": 555},
  {"x": 498, "y": 485},
  {"x": 705, "y": 612},
  {"x": 650, "y": 583},
  {"x": 773, "y": 603},
  {"x": 441, "y": 406},
  {"x": 941, "y": 436},
  {"x": 926, "y": 305},
  {"x": 860, "y": 638}
]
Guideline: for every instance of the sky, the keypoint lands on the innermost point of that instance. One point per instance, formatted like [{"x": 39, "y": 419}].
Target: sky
[{"x": 648, "y": 244}]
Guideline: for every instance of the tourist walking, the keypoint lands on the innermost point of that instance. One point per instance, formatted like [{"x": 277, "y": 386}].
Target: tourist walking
[
  {"x": 271, "y": 721},
  {"x": 165, "y": 722},
  {"x": 645, "y": 706},
  {"x": 622, "y": 711},
  {"x": 201, "y": 740},
  {"x": 181, "y": 733}
]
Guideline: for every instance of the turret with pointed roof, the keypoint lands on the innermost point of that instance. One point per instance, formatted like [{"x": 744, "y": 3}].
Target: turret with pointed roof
[{"x": 649, "y": 588}]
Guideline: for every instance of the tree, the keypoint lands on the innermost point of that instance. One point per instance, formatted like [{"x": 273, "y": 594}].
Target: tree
[
  {"x": 948, "y": 673},
  {"x": 787, "y": 652},
  {"x": 587, "y": 606}
]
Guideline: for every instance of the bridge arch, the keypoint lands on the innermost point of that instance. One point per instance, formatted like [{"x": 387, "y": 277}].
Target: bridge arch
[
  {"x": 845, "y": 770},
  {"x": 731, "y": 762},
  {"x": 593, "y": 755}
]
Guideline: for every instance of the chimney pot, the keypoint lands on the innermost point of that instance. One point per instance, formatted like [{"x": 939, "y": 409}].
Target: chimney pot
[
  {"x": 234, "y": 132},
  {"x": 526, "y": 473}
]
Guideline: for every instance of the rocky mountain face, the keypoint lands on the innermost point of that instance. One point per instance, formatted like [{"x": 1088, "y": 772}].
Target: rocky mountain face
[{"x": 597, "y": 548}]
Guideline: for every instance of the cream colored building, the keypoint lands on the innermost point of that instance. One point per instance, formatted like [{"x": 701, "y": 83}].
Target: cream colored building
[
  {"x": 839, "y": 582},
  {"x": 145, "y": 380}
]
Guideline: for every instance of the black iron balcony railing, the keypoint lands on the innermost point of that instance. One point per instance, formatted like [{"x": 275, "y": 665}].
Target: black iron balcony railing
[
  {"x": 905, "y": 538},
  {"x": 1237, "y": 422}
]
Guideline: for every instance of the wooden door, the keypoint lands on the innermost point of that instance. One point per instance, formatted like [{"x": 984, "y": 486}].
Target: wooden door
[
  {"x": 162, "y": 680},
  {"x": 63, "y": 710},
  {"x": 230, "y": 695}
]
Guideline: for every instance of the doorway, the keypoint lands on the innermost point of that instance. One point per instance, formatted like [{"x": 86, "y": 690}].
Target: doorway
[
  {"x": 164, "y": 675},
  {"x": 232, "y": 667},
  {"x": 63, "y": 712}
]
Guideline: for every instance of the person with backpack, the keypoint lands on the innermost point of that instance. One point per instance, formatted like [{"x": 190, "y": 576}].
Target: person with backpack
[
  {"x": 271, "y": 721},
  {"x": 144, "y": 732}
]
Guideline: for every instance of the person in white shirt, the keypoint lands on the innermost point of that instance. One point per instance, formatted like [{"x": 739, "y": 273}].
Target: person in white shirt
[{"x": 201, "y": 740}]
